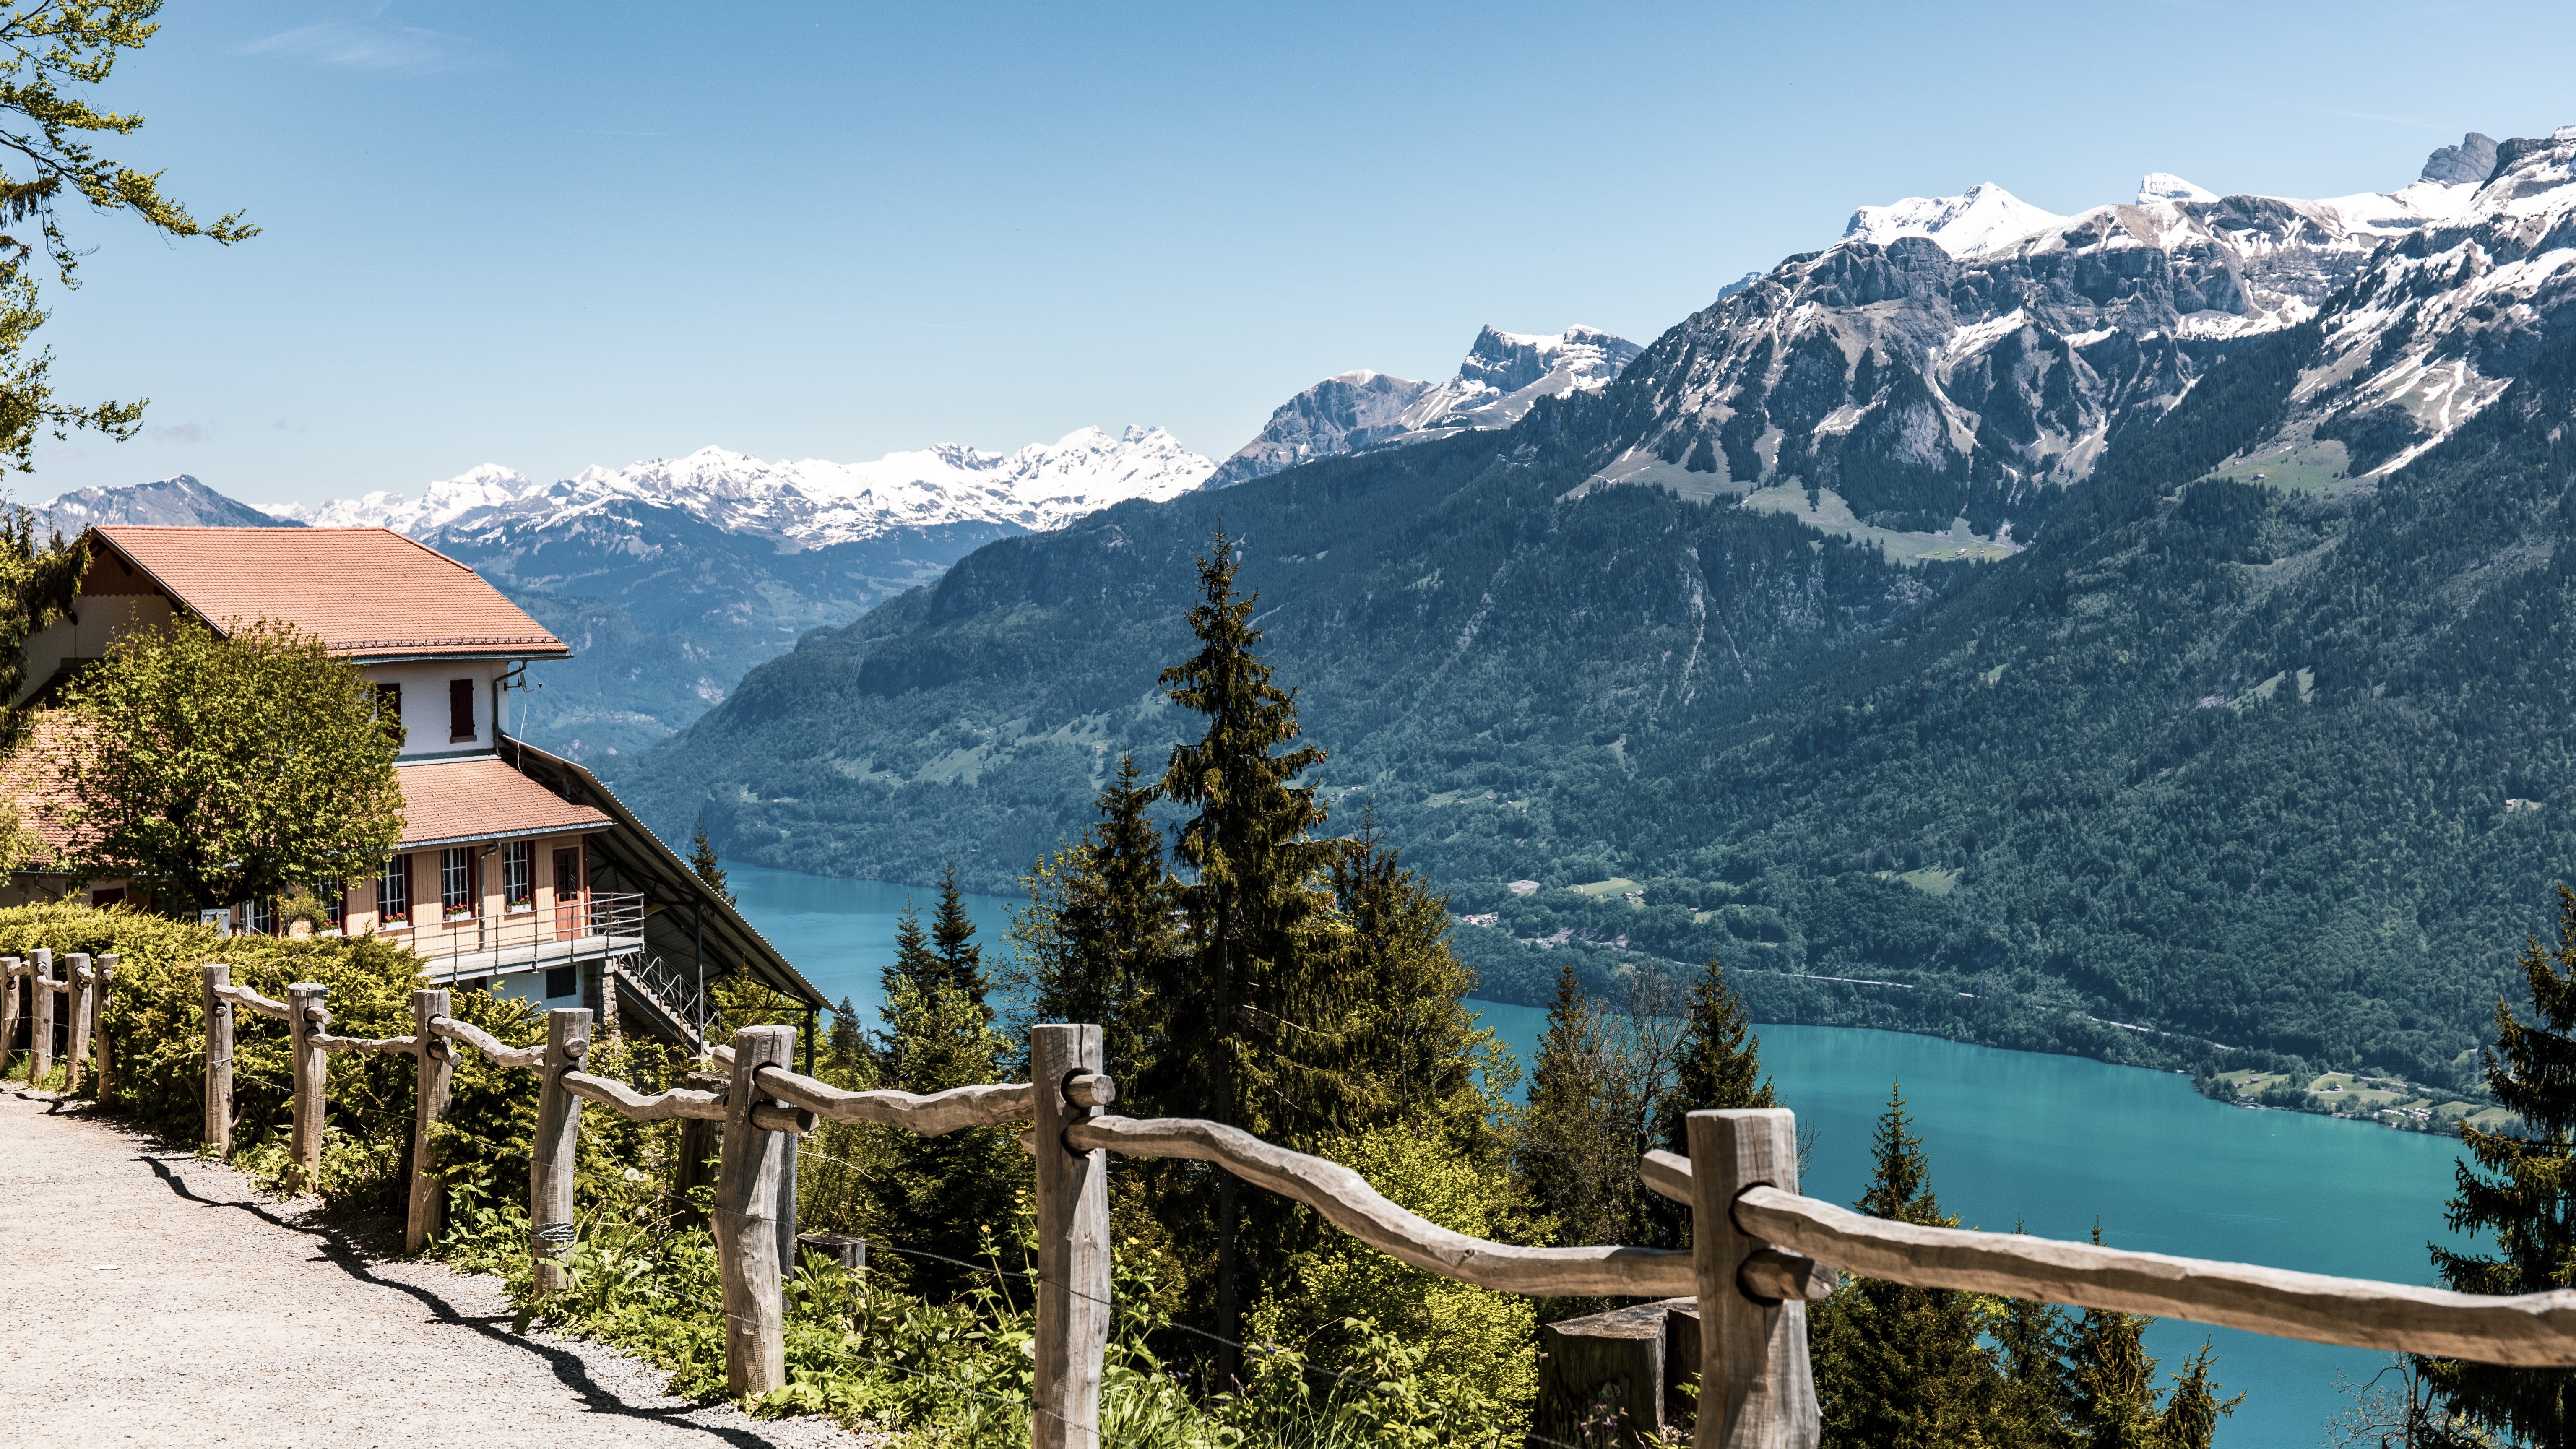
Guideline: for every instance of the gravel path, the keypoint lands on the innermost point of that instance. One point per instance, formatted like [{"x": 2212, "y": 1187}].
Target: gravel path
[{"x": 148, "y": 1297}]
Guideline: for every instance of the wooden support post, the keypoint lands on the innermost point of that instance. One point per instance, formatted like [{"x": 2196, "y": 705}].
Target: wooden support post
[
  {"x": 550, "y": 1164},
  {"x": 746, "y": 1220},
  {"x": 698, "y": 1146},
  {"x": 1756, "y": 1389},
  {"x": 103, "y": 1042},
  {"x": 10, "y": 996},
  {"x": 83, "y": 1002},
  {"x": 304, "y": 1148},
  {"x": 1073, "y": 1246},
  {"x": 218, "y": 1131},
  {"x": 436, "y": 1059},
  {"x": 787, "y": 1206},
  {"x": 41, "y": 1049}
]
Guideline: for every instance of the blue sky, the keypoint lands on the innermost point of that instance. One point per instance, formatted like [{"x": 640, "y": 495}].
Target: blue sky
[{"x": 553, "y": 235}]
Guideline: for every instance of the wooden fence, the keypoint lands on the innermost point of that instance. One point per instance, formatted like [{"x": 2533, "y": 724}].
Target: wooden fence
[{"x": 1760, "y": 1251}]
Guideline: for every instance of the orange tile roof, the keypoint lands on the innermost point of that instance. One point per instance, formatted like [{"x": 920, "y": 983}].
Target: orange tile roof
[
  {"x": 365, "y": 592},
  {"x": 483, "y": 799}
]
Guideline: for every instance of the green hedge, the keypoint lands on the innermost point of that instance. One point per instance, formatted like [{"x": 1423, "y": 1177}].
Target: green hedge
[{"x": 155, "y": 1018}]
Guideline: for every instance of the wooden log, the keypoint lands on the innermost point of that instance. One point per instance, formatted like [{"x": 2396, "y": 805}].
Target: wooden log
[
  {"x": 550, "y": 1160},
  {"x": 746, "y": 1220},
  {"x": 677, "y": 1104},
  {"x": 244, "y": 996},
  {"x": 433, "y": 1079},
  {"x": 218, "y": 1130},
  {"x": 1073, "y": 1242},
  {"x": 699, "y": 1139},
  {"x": 783, "y": 1228},
  {"x": 383, "y": 1046},
  {"x": 849, "y": 1252},
  {"x": 41, "y": 1048},
  {"x": 1601, "y": 1379},
  {"x": 2530, "y": 1330},
  {"x": 929, "y": 1116},
  {"x": 83, "y": 1001},
  {"x": 104, "y": 1041},
  {"x": 1756, "y": 1388},
  {"x": 1769, "y": 1273},
  {"x": 489, "y": 1045},
  {"x": 10, "y": 997},
  {"x": 1345, "y": 1200},
  {"x": 312, "y": 1067}
]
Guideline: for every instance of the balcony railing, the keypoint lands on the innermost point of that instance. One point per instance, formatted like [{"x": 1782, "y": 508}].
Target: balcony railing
[{"x": 597, "y": 929}]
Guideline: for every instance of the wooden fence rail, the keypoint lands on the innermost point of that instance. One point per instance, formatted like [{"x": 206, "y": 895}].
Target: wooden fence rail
[{"x": 1760, "y": 1251}]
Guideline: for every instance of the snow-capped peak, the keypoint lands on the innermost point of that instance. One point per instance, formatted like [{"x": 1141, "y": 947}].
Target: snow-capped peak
[
  {"x": 808, "y": 504},
  {"x": 1985, "y": 218},
  {"x": 2158, "y": 186}
]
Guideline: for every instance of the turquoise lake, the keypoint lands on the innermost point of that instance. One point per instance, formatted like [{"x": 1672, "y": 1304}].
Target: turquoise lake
[{"x": 2056, "y": 1143}]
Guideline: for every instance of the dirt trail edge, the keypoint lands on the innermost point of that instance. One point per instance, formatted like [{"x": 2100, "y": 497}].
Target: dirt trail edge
[{"x": 149, "y": 1298}]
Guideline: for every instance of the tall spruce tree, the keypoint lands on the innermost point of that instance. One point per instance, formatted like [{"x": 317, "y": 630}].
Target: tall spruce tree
[
  {"x": 952, "y": 935},
  {"x": 940, "y": 1195},
  {"x": 705, "y": 863},
  {"x": 1255, "y": 960},
  {"x": 1408, "y": 1047},
  {"x": 1098, "y": 929},
  {"x": 1574, "y": 1158},
  {"x": 1720, "y": 1064},
  {"x": 2520, "y": 1190},
  {"x": 1899, "y": 1367}
]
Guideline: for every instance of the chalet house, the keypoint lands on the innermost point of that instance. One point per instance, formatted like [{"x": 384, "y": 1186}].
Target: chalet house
[{"x": 517, "y": 871}]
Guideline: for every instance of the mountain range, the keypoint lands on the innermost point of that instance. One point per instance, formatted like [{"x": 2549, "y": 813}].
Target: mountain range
[
  {"x": 673, "y": 576},
  {"x": 2144, "y": 632},
  {"x": 1352, "y": 412}
]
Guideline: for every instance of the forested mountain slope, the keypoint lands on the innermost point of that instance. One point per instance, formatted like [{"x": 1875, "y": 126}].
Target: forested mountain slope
[{"x": 2211, "y": 762}]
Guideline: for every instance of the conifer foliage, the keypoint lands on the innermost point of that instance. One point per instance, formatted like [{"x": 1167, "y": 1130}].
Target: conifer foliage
[{"x": 2519, "y": 1190}]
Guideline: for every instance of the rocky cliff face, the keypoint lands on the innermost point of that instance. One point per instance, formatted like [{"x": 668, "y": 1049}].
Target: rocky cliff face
[
  {"x": 1968, "y": 357},
  {"x": 1504, "y": 375}
]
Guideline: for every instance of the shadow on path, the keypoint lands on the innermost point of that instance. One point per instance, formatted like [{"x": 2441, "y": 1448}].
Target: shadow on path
[{"x": 342, "y": 1252}]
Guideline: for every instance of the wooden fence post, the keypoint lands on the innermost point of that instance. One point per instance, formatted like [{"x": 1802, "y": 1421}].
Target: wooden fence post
[
  {"x": 98, "y": 1027},
  {"x": 1073, "y": 1246},
  {"x": 698, "y": 1144},
  {"x": 218, "y": 1133},
  {"x": 83, "y": 1003},
  {"x": 787, "y": 1207},
  {"x": 550, "y": 1167},
  {"x": 41, "y": 1048},
  {"x": 746, "y": 1219},
  {"x": 10, "y": 996},
  {"x": 1756, "y": 1388},
  {"x": 304, "y": 1166},
  {"x": 436, "y": 1059}
]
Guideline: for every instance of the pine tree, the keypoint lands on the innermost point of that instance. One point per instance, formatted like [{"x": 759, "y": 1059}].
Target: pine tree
[
  {"x": 2521, "y": 1191},
  {"x": 940, "y": 1195},
  {"x": 1253, "y": 965},
  {"x": 1720, "y": 1064},
  {"x": 704, "y": 862},
  {"x": 1097, "y": 931},
  {"x": 2191, "y": 1413},
  {"x": 1408, "y": 1048},
  {"x": 2111, "y": 1380},
  {"x": 1900, "y": 1367},
  {"x": 1573, "y": 1161},
  {"x": 952, "y": 933},
  {"x": 2030, "y": 1404}
]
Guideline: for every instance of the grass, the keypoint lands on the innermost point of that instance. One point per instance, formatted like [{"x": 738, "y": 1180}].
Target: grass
[
  {"x": 2304, "y": 468},
  {"x": 1617, "y": 885},
  {"x": 1832, "y": 515},
  {"x": 1931, "y": 880}
]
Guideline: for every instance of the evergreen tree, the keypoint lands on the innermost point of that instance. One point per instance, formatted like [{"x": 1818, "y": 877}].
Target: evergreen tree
[
  {"x": 952, "y": 933},
  {"x": 2521, "y": 1191},
  {"x": 2111, "y": 1380},
  {"x": 1105, "y": 932},
  {"x": 1253, "y": 967},
  {"x": 2031, "y": 1409},
  {"x": 1574, "y": 1161},
  {"x": 2191, "y": 1413},
  {"x": 1720, "y": 1065},
  {"x": 1899, "y": 1367},
  {"x": 939, "y": 1196},
  {"x": 704, "y": 862},
  {"x": 1408, "y": 1048}
]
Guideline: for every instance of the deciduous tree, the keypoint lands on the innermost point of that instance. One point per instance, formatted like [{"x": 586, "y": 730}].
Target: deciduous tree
[{"x": 213, "y": 769}]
